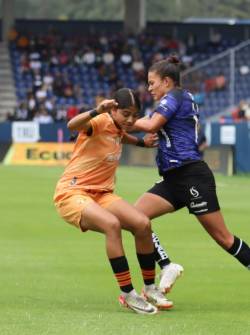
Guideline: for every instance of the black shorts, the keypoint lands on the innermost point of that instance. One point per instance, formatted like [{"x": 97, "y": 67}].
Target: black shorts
[{"x": 190, "y": 185}]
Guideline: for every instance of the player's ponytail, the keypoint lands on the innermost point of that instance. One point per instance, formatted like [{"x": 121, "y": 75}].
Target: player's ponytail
[{"x": 173, "y": 59}]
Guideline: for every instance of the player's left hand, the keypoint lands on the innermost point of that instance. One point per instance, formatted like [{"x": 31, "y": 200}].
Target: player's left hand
[{"x": 151, "y": 140}]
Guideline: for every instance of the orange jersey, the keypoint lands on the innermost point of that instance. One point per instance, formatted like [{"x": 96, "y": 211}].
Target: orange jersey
[{"x": 94, "y": 160}]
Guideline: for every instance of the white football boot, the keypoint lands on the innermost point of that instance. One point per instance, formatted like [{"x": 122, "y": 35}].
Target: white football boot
[
  {"x": 137, "y": 303},
  {"x": 153, "y": 295},
  {"x": 169, "y": 274}
]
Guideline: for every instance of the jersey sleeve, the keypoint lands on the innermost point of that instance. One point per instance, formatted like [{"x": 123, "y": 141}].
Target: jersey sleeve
[
  {"x": 167, "y": 106},
  {"x": 98, "y": 123}
]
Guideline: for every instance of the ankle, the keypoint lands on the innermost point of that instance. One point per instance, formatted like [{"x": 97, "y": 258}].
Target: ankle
[{"x": 149, "y": 287}]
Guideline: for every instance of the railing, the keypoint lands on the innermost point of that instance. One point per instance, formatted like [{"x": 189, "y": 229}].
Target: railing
[{"x": 232, "y": 64}]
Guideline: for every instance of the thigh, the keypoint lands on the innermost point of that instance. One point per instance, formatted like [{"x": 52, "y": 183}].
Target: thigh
[
  {"x": 99, "y": 219},
  {"x": 71, "y": 208},
  {"x": 153, "y": 205},
  {"x": 199, "y": 192},
  {"x": 83, "y": 212}
]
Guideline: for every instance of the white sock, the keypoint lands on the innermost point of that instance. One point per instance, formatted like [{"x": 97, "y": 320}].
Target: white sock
[
  {"x": 166, "y": 266},
  {"x": 133, "y": 292}
]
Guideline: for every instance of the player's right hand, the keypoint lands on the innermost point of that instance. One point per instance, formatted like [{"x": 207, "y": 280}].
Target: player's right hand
[{"x": 106, "y": 105}]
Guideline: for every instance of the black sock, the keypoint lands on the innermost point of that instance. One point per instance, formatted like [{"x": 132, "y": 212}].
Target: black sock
[
  {"x": 122, "y": 273},
  {"x": 161, "y": 257},
  {"x": 241, "y": 251},
  {"x": 147, "y": 264}
]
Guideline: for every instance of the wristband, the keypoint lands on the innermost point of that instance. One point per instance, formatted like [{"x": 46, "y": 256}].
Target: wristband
[
  {"x": 93, "y": 113},
  {"x": 140, "y": 142}
]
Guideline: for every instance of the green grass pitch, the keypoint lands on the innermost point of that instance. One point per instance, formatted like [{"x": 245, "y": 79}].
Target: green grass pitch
[{"x": 56, "y": 280}]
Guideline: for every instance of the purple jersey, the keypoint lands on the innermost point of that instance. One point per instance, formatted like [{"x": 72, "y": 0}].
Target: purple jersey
[{"x": 179, "y": 135}]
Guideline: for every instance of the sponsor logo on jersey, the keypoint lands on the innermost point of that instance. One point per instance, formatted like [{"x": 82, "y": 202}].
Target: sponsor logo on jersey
[
  {"x": 113, "y": 157},
  {"x": 116, "y": 140},
  {"x": 73, "y": 181}
]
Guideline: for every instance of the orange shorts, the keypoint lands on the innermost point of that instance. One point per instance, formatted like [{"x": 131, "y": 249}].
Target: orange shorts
[{"x": 70, "y": 207}]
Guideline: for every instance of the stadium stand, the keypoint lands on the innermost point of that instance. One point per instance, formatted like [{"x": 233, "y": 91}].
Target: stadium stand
[{"x": 55, "y": 72}]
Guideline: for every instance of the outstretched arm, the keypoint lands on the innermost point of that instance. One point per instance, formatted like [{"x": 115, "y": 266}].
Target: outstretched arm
[
  {"x": 152, "y": 125},
  {"x": 149, "y": 140}
]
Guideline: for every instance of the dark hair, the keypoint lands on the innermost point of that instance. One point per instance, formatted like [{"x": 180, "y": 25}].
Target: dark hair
[
  {"x": 125, "y": 97},
  {"x": 169, "y": 67}
]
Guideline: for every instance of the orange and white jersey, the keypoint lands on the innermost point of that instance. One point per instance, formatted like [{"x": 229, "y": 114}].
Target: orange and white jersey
[{"x": 94, "y": 159}]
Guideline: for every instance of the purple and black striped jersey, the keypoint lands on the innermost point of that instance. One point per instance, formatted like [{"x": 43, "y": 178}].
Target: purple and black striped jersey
[{"x": 179, "y": 136}]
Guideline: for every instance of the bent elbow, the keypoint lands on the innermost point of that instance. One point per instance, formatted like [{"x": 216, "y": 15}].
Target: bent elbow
[{"x": 70, "y": 126}]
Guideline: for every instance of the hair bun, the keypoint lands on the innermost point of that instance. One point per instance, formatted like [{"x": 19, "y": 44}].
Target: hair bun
[{"x": 173, "y": 59}]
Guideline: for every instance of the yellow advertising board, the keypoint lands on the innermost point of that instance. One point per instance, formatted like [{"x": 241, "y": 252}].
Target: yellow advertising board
[{"x": 49, "y": 154}]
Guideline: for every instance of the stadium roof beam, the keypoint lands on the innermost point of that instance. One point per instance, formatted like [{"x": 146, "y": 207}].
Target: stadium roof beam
[
  {"x": 134, "y": 18},
  {"x": 8, "y": 17}
]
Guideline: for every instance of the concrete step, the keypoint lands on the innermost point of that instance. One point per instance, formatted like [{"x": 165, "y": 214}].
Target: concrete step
[
  {"x": 6, "y": 89},
  {"x": 4, "y": 58},
  {"x": 5, "y": 65},
  {"x": 7, "y": 109},
  {"x": 7, "y": 85},
  {"x": 7, "y": 102},
  {"x": 5, "y": 69},
  {"x": 5, "y": 72},
  {"x": 7, "y": 95}
]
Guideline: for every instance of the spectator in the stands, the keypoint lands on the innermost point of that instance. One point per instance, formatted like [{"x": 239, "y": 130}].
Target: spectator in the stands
[
  {"x": 21, "y": 113},
  {"x": 68, "y": 89},
  {"x": 48, "y": 81},
  {"x": 22, "y": 42},
  {"x": 215, "y": 83},
  {"x": 139, "y": 69},
  {"x": 72, "y": 111},
  {"x": 42, "y": 116},
  {"x": 41, "y": 94},
  {"x": 108, "y": 58},
  {"x": 89, "y": 57},
  {"x": 31, "y": 102},
  {"x": 60, "y": 114},
  {"x": 24, "y": 64},
  {"x": 58, "y": 85},
  {"x": 126, "y": 58},
  {"x": 53, "y": 59},
  {"x": 241, "y": 112}
]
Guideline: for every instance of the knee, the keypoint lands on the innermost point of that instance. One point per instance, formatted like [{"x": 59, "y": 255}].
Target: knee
[
  {"x": 225, "y": 241},
  {"x": 143, "y": 225},
  {"x": 113, "y": 227}
]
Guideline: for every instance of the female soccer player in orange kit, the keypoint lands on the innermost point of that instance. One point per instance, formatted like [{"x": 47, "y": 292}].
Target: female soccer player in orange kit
[{"x": 84, "y": 195}]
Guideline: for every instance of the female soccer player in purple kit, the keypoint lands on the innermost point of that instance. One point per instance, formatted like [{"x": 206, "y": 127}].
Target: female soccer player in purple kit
[{"x": 187, "y": 181}]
